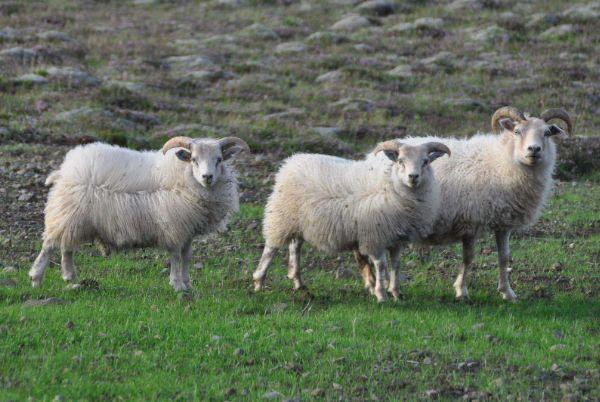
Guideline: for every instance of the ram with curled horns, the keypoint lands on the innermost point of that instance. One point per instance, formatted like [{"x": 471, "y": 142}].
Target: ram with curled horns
[{"x": 127, "y": 199}]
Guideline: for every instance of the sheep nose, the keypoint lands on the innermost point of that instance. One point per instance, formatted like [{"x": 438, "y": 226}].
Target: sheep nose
[
  {"x": 207, "y": 177},
  {"x": 534, "y": 149},
  {"x": 413, "y": 177}
]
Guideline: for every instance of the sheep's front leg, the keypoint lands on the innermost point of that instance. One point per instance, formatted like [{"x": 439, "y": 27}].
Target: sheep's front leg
[
  {"x": 186, "y": 259},
  {"x": 460, "y": 285},
  {"x": 36, "y": 273},
  {"x": 379, "y": 264},
  {"x": 67, "y": 267},
  {"x": 365, "y": 271},
  {"x": 260, "y": 273},
  {"x": 502, "y": 242},
  {"x": 294, "y": 263},
  {"x": 393, "y": 286},
  {"x": 175, "y": 278}
]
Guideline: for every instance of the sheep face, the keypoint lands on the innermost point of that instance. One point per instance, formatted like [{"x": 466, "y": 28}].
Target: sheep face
[
  {"x": 531, "y": 139},
  {"x": 206, "y": 155},
  {"x": 206, "y": 160},
  {"x": 411, "y": 163}
]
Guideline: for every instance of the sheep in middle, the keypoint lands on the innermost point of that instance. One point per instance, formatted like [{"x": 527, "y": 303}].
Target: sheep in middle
[{"x": 339, "y": 205}]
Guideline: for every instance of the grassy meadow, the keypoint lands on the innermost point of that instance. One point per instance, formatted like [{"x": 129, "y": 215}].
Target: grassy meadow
[{"x": 287, "y": 76}]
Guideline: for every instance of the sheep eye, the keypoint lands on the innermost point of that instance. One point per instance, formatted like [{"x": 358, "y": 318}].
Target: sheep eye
[
  {"x": 547, "y": 133},
  {"x": 425, "y": 162},
  {"x": 401, "y": 161},
  {"x": 517, "y": 131},
  {"x": 219, "y": 160}
]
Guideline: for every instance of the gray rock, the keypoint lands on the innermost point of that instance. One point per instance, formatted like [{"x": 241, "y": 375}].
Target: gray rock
[
  {"x": 290, "y": 47},
  {"x": 128, "y": 85},
  {"x": 354, "y": 104},
  {"x": 188, "y": 62},
  {"x": 583, "y": 12},
  {"x": 25, "y": 196},
  {"x": 99, "y": 116},
  {"x": 18, "y": 55},
  {"x": 559, "y": 31},
  {"x": 402, "y": 71},
  {"x": 72, "y": 77},
  {"x": 380, "y": 8},
  {"x": 10, "y": 34},
  {"x": 220, "y": 40},
  {"x": 465, "y": 5},
  {"x": 442, "y": 61},
  {"x": 490, "y": 34},
  {"x": 331, "y": 76},
  {"x": 43, "y": 302},
  {"x": 144, "y": 2},
  {"x": 541, "y": 19},
  {"x": 34, "y": 79},
  {"x": 429, "y": 22},
  {"x": 229, "y": 3},
  {"x": 326, "y": 37},
  {"x": 260, "y": 31},
  {"x": 9, "y": 270},
  {"x": 147, "y": 119},
  {"x": 56, "y": 36},
  {"x": 328, "y": 132},
  {"x": 205, "y": 77},
  {"x": 352, "y": 23},
  {"x": 293, "y": 112},
  {"x": 363, "y": 47}
]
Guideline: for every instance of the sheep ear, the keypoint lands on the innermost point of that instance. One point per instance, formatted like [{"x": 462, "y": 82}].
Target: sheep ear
[
  {"x": 232, "y": 151},
  {"x": 183, "y": 155},
  {"x": 391, "y": 154},
  {"x": 507, "y": 124},
  {"x": 556, "y": 130}
]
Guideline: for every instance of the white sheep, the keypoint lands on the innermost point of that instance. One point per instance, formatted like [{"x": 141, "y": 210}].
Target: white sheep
[
  {"x": 492, "y": 182},
  {"x": 125, "y": 199},
  {"x": 337, "y": 204}
]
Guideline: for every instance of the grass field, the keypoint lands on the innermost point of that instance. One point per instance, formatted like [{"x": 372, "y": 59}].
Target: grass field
[{"x": 278, "y": 74}]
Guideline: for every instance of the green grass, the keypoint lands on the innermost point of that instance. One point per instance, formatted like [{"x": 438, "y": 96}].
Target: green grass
[{"x": 134, "y": 338}]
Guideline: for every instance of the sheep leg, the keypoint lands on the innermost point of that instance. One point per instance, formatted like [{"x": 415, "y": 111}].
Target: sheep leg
[
  {"x": 263, "y": 265},
  {"x": 67, "y": 267},
  {"x": 393, "y": 286},
  {"x": 175, "y": 279},
  {"x": 186, "y": 254},
  {"x": 294, "y": 263},
  {"x": 502, "y": 242},
  {"x": 36, "y": 273},
  {"x": 365, "y": 271},
  {"x": 379, "y": 264},
  {"x": 460, "y": 285}
]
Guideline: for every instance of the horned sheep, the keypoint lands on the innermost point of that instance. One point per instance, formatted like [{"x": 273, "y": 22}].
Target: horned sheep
[
  {"x": 126, "y": 198},
  {"x": 336, "y": 205},
  {"x": 493, "y": 182}
]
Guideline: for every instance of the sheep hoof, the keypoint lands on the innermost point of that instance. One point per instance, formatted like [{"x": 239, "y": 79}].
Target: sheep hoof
[
  {"x": 381, "y": 295},
  {"x": 461, "y": 293},
  {"x": 395, "y": 294},
  {"x": 36, "y": 282},
  {"x": 178, "y": 287},
  {"x": 509, "y": 295},
  {"x": 259, "y": 284},
  {"x": 69, "y": 277}
]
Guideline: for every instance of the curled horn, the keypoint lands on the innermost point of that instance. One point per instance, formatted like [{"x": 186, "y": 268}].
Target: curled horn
[
  {"x": 228, "y": 142},
  {"x": 389, "y": 145},
  {"x": 437, "y": 147},
  {"x": 177, "y": 142},
  {"x": 507, "y": 111},
  {"x": 559, "y": 113}
]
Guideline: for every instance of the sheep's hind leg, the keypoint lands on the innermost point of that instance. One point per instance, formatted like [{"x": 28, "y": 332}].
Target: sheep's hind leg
[
  {"x": 393, "y": 286},
  {"x": 294, "y": 263},
  {"x": 460, "y": 285},
  {"x": 263, "y": 265},
  {"x": 365, "y": 271},
  {"x": 186, "y": 254},
  {"x": 36, "y": 273},
  {"x": 175, "y": 279},
  {"x": 380, "y": 269},
  {"x": 502, "y": 242},
  {"x": 67, "y": 267}
]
